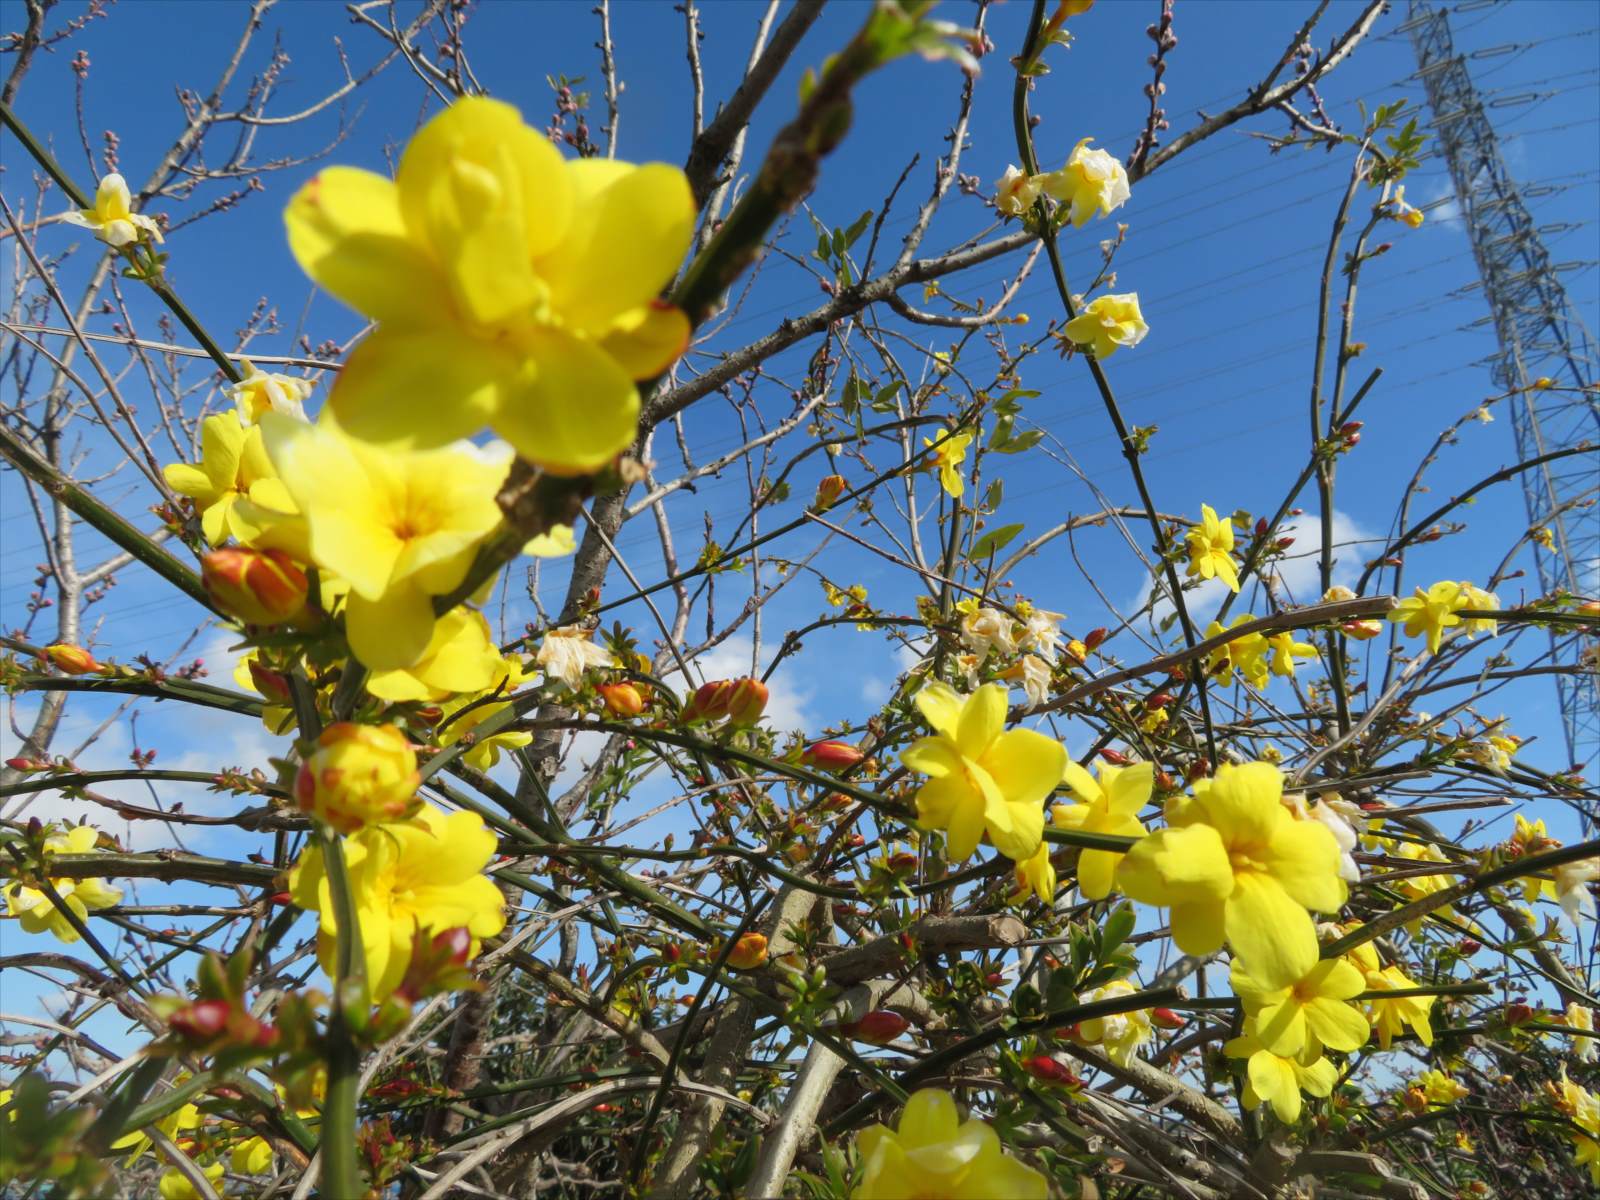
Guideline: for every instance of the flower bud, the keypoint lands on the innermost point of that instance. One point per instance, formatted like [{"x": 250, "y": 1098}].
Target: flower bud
[
  {"x": 1165, "y": 1018},
  {"x": 260, "y": 587},
  {"x": 829, "y": 489},
  {"x": 1115, "y": 757},
  {"x": 880, "y": 1026},
  {"x": 271, "y": 684},
  {"x": 358, "y": 775},
  {"x": 621, "y": 699},
  {"x": 70, "y": 659},
  {"x": 1047, "y": 1070},
  {"x": 749, "y": 952},
  {"x": 27, "y": 764},
  {"x": 1094, "y": 637},
  {"x": 202, "y": 1021},
  {"x": 831, "y": 755},
  {"x": 709, "y": 702},
  {"x": 1158, "y": 700},
  {"x": 1077, "y": 651},
  {"x": 747, "y": 702}
]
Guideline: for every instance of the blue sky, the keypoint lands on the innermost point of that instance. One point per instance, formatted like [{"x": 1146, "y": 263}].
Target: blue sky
[{"x": 1224, "y": 247}]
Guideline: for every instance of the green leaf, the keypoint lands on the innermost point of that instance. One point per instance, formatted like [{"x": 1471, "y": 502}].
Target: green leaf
[
  {"x": 1117, "y": 928},
  {"x": 1023, "y": 441},
  {"x": 857, "y": 228},
  {"x": 994, "y": 541}
]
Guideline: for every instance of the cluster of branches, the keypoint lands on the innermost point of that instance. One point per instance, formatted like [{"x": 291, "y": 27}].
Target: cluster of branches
[{"x": 611, "y": 1047}]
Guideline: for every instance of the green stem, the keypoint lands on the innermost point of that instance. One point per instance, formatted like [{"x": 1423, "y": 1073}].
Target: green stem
[{"x": 104, "y": 520}]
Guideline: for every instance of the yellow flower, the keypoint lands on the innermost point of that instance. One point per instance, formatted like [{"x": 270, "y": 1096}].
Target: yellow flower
[
  {"x": 1109, "y": 321},
  {"x": 1436, "y": 1089},
  {"x": 1279, "y": 1079},
  {"x": 38, "y": 913},
  {"x": 1415, "y": 887},
  {"x": 465, "y": 714},
  {"x": 984, "y": 629},
  {"x": 558, "y": 543},
  {"x": 1241, "y": 869},
  {"x": 933, "y": 1155},
  {"x": 1405, "y": 212},
  {"x": 358, "y": 775},
  {"x": 252, "y": 1156},
  {"x": 1284, "y": 650},
  {"x": 233, "y": 466},
  {"x": 1581, "y": 1016},
  {"x": 1311, "y": 1011},
  {"x": 1431, "y": 612},
  {"x": 1211, "y": 548},
  {"x": 1036, "y": 875},
  {"x": 949, "y": 452},
  {"x": 112, "y": 219},
  {"x": 1496, "y": 750},
  {"x": 1015, "y": 191},
  {"x": 1475, "y": 597},
  {"x": 1246, "y": 653},
  {"x": 401, "y": 526},
  {"x": 981, "y": 777},
  {"x": 566, "y": 653},
  {"x": 424, "y": 873},
  {"x": 511, "y": 288},
  {"x": 1091, "y": 182},
  {"x": 1120, "y": 1034},
  {"x": 1390, "y": 1017},
  {"x": 460, "y": 658},
  {"x": 259, "y": 392},
  {"x": 137, "y": 1142},
  {"x": 175, "y": 1185},
  {"x": 1109, "y": 804}
]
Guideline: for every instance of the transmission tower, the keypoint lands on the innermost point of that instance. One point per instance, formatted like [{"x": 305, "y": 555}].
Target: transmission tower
[{"x": 1540, "y": 339}]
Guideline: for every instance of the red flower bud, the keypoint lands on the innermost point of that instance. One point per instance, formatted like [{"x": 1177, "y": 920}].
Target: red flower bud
[
  {"x": 831, "y": 755},
  {"x": 1165, "y": 1018},
  {"x": 747, "y": 702},
  {"x": 1047, "y": 1070},
  {"x": 1261, "y": 527},
  {"x": 455, "y": 943},
  {"x": 1159, "y": 700},
  {"x": 203, "y": 1021},
  {"x": 1115, "y": 757},
  {"x": 271, "y": 684},
  {"x": 994, "y": 979},
  {"x": 1469, "y": 945},
  {"x": 880, "y": 1026},
  {"x": 1284, "y": 543},
  {"x": 1095, "y": 636},
  {"x": 27, "y": 764}
]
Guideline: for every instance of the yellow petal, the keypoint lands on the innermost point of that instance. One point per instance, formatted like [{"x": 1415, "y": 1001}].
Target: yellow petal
[
  {"x": 649, "y": 339},
  {"x": 1243, "y": 801},
  {"x": 392, "y": 630},
  {"x": 1097, "y": 873},
  {"x": 940, "y": 705},
  {"x": 346, "y": 232},
  {"x": 1177, "y": 866},
  {"x": 1026, "y": 766},
  {"x": 1274, "y": 1081},
  {"x": 1303, "y": 856},
  {"x": 574, "y": 411},
  {"x": 408, "y": 388},
  {"x": 1273, "y": 934},
  {"x": 1197, "y": 926},
  {"x": 630, "y": 229},
  {"x": 983, "y": 716}
]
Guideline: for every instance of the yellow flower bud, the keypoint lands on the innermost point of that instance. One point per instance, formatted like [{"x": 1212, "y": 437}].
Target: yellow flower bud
[
  {"x": 260, "y": 587},
  {"x": 829, "y": 489},
  {"x": 358, "y": 775},
  {"x": 749, "y": 952},
  {"x": 74, "y": 660},
  {"x": 621, "y": 699}
]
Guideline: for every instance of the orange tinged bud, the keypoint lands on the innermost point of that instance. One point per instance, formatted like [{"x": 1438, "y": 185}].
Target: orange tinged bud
[
  {"x": 831, "y": 755},
  {"x": 829, "y": 489},
  {"x": 880, "y": 1026},
  {"x": 269, "y": 683},
  {"x": 747, "y": 702},
  {"x": 358, "y": 775},
  {"x": 260, "y": 587},
  {"x": 621, "y": 699},
  {"x": 1094, "y": 637},
  {"x": 749, "y": 952},
  {"x": 73, "y": 660}
]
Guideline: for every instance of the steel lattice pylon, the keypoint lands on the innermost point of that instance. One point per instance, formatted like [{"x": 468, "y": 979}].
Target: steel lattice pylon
[{"x": 1539, "y": 338}]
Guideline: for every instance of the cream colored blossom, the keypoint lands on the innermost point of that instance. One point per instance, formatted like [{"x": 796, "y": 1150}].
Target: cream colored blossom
[
  {"x": 986, "y": 629},
  {"x": 1015, "y": 191},
  {"x": 566, "y": 653},
  {"x": 1091, "y": 182},
  {"x": 1108, "y": 322},
  {"x": 259, "y": 392}
]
